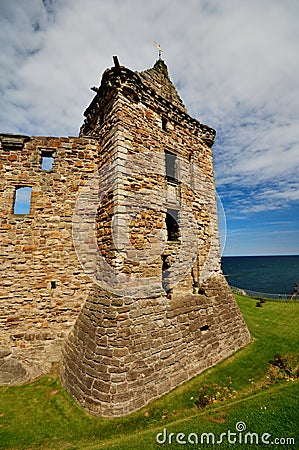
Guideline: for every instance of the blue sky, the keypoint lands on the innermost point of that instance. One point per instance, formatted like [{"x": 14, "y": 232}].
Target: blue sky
[
  {"x": 235, "y": 64},
  {"x": 22, "y": 200}
]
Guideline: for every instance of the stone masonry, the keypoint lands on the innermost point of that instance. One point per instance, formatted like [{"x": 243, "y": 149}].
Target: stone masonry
[
  {"x": 42, "y": 286},
  {"x": 122, "y": 336}
]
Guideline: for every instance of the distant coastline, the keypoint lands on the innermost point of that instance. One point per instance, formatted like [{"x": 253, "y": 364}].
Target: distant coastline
[{"x": 272, "y": 274}]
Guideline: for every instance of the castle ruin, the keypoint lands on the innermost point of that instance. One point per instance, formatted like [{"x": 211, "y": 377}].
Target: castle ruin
[{"x": 113, "y": 271}]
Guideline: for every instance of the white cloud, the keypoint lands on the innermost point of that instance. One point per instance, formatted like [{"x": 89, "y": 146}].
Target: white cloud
[
  {"x": 235, "y": 61},
  {"x": 22, "y": 200}
]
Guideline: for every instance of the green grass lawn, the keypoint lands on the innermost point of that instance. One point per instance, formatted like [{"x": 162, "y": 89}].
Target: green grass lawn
[{"x": 41, "y": 415}]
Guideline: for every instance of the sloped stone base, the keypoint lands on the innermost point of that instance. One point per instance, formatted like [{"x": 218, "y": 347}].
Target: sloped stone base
[
  {"x": 25, "y": 361},
  {"x": 11, "y": 370},
  {"x": 125, "y": 352}
]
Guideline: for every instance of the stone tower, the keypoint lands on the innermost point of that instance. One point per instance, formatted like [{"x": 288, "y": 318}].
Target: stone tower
[{"x": 159, "y": 310}]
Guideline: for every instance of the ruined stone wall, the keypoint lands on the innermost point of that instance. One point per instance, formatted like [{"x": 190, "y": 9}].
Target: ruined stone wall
[
  {"x": 146, "y": 117},
  {"x": 126, "y": 350},
  {"x": 153, "y": 124},
  {"x": 126, "y": 339},
  {"x": 42, "y": 285}
]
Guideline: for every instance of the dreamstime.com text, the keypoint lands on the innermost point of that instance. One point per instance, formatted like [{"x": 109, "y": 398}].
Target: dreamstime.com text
[{"x": 238, "y": 436}]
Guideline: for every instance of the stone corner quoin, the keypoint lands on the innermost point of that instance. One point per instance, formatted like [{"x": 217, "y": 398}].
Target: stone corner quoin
[{"x": 159, "y": 314}]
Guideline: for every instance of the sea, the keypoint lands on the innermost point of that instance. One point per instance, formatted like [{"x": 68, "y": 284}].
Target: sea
[{"x": 264, "y": 274}]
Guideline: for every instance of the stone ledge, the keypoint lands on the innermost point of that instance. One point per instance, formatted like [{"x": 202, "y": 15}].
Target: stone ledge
[{"x": 13, "y": 141}]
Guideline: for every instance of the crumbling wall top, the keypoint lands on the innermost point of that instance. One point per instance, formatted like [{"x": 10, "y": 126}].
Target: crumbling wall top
[
  {"x": 151, "y": 87},
  {"x": 13, "y": 141}
]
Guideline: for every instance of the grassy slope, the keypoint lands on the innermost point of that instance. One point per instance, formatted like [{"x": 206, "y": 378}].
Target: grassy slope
[{"x": 42, "y": 415}]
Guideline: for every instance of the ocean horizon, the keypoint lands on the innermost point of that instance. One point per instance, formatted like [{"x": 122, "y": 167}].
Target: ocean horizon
[{"x": 268, "y": 274}]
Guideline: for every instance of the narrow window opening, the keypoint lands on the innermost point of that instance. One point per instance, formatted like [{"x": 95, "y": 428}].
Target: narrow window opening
[
  {"x": 205, "y": 328},
  {"x": 47, "y": 160},
  {"x": 101, "y": 119},
  {"x": 165, "y": 273},
  {"x": 53, "y": 284},
  {"x": 22, "y": 201},
  {"x": 164, "y": 124},
  {"x": 170, "y": 164},
  {"x": 172, "y": 225}
]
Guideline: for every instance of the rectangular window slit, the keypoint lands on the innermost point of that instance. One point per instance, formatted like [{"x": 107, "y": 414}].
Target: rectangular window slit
[
  {"x": 164, "y": 124},
  {"x": 22, "y": 203},
  {"x": 53, "y": 284},
  {"x": 170, "y": 164},
  {"x": 47, "y": 160},
  {"x": 172, "y": 225},
  {"x": 165, "y": 273}
]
